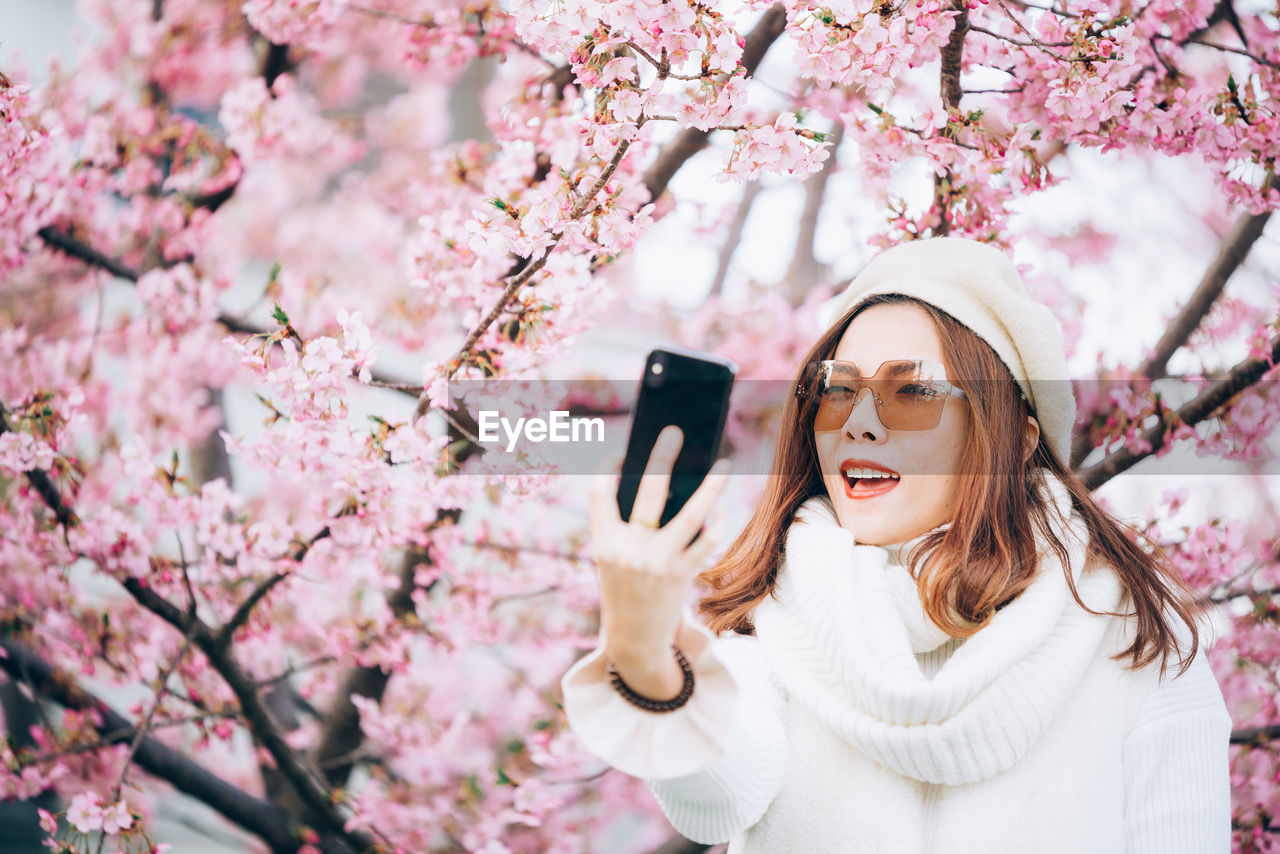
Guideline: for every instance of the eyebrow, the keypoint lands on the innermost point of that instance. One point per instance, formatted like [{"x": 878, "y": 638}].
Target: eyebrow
[{"x": 898, "y": 370}]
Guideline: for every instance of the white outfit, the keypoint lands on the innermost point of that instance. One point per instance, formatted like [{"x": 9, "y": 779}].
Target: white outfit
[{"x": 850, "y": 723}]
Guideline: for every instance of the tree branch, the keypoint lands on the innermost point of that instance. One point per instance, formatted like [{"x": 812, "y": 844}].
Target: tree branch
[
  {"x": 340, "y": 734},
  {"x": 256, "y": 816},
  {"x": 275, "y": 63},
  {"x": 1240, "y": 377},
  {"x": 242, "y": 614},
  {"x": 691, "y": 140},
  {"x": 1231, "y": 254},
  {"x": 952, "y": 58},
  {"x": 314, "y": 794},
  {"x": 69, "y": 245},
  {"x": 1256, "y": 734},
  {"x": 509, "y": 292},
  {"x": 749, "y": 194},
  {"x": 804, "y": 270}
]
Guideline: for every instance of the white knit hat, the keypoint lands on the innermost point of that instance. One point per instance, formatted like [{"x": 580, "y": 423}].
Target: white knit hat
[{"x": 978, "y": 285}]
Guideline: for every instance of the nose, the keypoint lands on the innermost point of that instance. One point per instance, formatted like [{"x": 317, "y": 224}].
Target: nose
[{"x": 864, "y": 418}]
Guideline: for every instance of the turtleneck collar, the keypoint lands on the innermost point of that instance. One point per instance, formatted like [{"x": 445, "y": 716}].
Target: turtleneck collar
[{"x": 924, "y": 634}]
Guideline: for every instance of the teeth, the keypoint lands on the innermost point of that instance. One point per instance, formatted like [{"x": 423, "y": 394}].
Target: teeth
[{"x": 868, "y": 473}]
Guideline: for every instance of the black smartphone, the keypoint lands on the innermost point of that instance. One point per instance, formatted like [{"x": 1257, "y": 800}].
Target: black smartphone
[{"x": 688, "y": 389}]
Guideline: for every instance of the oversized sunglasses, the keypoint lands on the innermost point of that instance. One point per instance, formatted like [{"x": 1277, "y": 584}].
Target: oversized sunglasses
[{"x": 909, "y": 393}]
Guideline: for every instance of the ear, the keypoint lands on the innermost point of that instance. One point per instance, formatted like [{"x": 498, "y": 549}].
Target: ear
[{"x": 1031, "y": 436}]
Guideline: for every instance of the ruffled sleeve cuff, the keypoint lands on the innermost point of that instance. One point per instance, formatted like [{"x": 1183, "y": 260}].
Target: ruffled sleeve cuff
[{"x": 654, "y": 745}]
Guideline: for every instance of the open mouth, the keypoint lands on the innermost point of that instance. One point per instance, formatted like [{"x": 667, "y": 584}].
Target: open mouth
[{"x": 864, "y": 481}]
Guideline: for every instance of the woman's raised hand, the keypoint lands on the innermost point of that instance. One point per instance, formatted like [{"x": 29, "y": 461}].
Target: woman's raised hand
[{"x": 645, "y": 571}]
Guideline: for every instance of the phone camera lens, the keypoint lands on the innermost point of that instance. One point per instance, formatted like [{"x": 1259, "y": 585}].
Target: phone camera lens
[{"x": 656, "y": 375}]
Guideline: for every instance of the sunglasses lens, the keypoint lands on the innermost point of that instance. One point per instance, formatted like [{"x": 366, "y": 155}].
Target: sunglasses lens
[{"x": 907, "y": 394}]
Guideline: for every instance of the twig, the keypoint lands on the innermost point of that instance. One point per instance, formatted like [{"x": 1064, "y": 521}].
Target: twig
[
  {"x": 1256, "y": 734},
  {"x": 271, "y": 824},
  {"x": 144, "y": 729},
  {"x": 804, "y": 271},
  {"x": 749, "y": 194},
  {"x": 1240, "y": 377},
  {"x": 1011, "y": 40},
  {"x": 1231, "y": 254},
  {"x": 1261, "y": 60},
  {"x": 509, "y": 292},
  {"x": 243, "y": 612},
  {"x": 690, "y": 141}
]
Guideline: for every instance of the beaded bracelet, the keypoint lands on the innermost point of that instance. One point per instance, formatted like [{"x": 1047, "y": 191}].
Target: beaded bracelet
[{"x": 657, "y": 705}]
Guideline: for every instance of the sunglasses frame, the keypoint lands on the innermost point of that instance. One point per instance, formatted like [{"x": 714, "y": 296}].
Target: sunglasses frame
[{"x": 943, "y": 386}]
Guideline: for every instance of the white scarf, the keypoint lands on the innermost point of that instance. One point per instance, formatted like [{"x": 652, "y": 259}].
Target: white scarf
[{"x": 846, "y": 624}]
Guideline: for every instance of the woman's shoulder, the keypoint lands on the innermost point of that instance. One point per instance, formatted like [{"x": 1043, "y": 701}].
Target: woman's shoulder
[{"x": 1149, "y": 694}]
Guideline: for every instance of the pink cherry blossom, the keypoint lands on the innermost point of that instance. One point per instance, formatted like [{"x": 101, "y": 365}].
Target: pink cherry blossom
[
  {"x": 85, "y": 813},
  {"x": 254, "y": 251}
]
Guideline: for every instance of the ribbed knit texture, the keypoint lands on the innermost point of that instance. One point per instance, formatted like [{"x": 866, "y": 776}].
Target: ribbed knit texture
[
  {"x": 735, "y": 790},
  {"x": 1177, "y": 743},
  {"x": 835, "y": 634}
]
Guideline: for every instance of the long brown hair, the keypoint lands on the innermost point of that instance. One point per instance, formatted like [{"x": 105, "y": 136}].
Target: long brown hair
[{"x": 986, "y": 557}]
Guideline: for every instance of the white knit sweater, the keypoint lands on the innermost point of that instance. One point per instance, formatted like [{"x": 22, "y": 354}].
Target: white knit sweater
[{"x": 849, "y": 723}]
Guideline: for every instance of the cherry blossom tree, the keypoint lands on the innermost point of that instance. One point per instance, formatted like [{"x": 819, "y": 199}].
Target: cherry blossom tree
[{"x": 318, "y": 658}]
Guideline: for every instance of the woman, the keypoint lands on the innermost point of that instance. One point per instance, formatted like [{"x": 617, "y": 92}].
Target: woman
[{"x": 929, "y": 637}]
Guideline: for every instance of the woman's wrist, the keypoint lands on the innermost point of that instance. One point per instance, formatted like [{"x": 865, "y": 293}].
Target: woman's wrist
[
  {"x": 655, "y": 675},
  {"x": 663, "y": 688},
  {"x": 645, "y": 661}
]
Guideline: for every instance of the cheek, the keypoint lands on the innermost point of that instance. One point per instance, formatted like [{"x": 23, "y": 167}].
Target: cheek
[{"x": 825, "y": 443}]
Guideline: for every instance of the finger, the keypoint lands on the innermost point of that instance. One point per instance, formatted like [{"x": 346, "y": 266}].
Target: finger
[
  {"x": 700, "y": 504},
  {"x": 698, "y": 551},
  {"x": 651, "y": 495}
]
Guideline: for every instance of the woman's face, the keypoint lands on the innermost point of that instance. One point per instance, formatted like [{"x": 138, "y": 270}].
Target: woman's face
[{"x": 924, "y": 496}]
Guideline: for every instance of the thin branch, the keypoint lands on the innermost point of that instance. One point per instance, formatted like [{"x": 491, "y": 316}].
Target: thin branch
[
  {"x": 1231, "y": 254},
  {"x": 1256, "y": 735},
  {"x": 804, "y": 271},
  {"x": 749, "y": 194},
  {"x": 272, "y": 825},
  {"x": 108, "y": 739},
  {"x": 690, "y": 141},
  {"x": 314, "y": 794},
  {"x": 1255, "y": 595},
  {"x": 664, "y": 70},
  {"x": 392, "y": 16},
  {"x": 1261, "y": 60},
  {"x": 1042, "y": 45},
  {"x": 1199, "y": 408},
  {"x": 509, "y": 292},
  {"x": 144, "y": 728},
  {"x": 76, "y": 248},
  {"x": 243, "y": 612},
  {"x": 1011, "y": 40}
]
